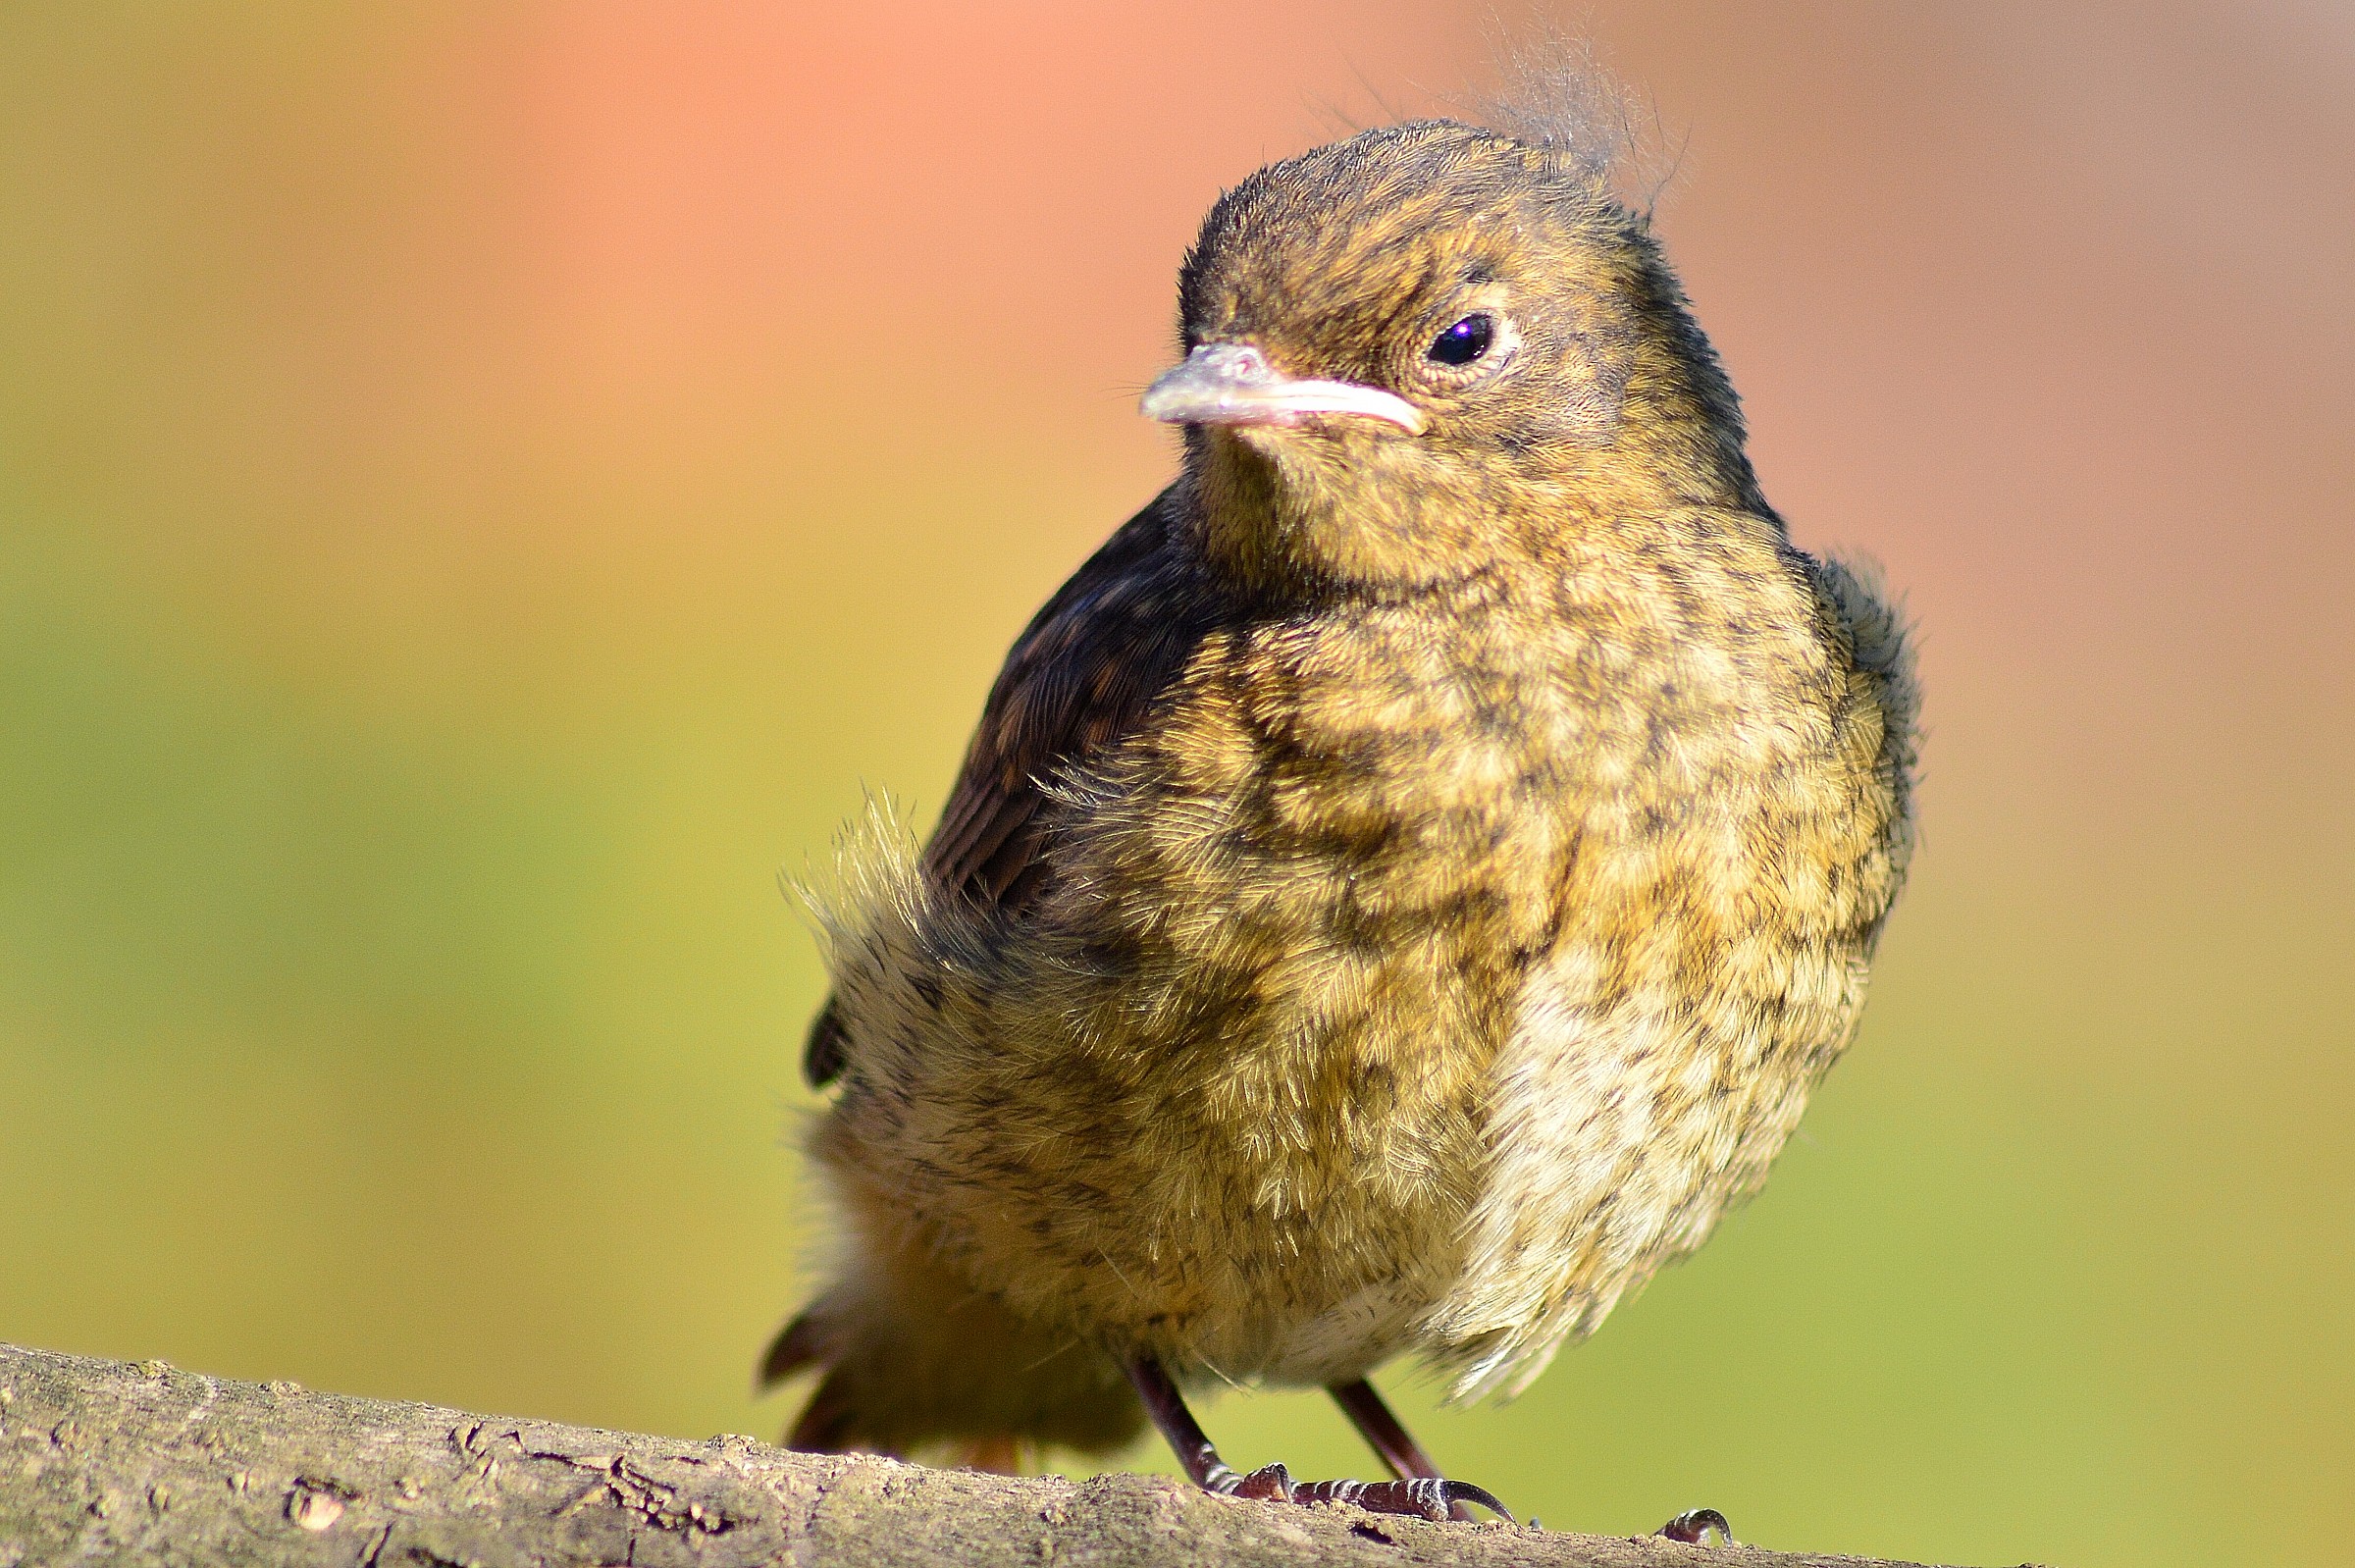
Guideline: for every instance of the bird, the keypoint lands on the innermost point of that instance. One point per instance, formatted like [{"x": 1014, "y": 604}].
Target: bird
[{"x": 1402, "y": 888}]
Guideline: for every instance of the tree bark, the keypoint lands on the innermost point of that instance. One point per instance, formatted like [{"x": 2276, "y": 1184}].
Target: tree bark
[{"x": 103, "y": 1461}]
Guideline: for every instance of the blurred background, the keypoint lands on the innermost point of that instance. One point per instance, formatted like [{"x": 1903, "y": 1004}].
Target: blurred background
[{"x": 484, "y": 486}]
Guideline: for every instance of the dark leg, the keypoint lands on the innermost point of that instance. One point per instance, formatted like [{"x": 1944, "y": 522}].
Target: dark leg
[
  {"x": 1167, "y": 1406},
  {"x": 1386, "y": 1437},
  {"x": 1428, "y": 1496},
  {"x": 1381, "y": 1429}
]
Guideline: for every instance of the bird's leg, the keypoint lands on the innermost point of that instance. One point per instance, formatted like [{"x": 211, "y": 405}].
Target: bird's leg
[
  {"x": 1426, "y": 1496},
  {"x": 1387, "y": 1437},
  {"x": 1381, "y": 1429}
]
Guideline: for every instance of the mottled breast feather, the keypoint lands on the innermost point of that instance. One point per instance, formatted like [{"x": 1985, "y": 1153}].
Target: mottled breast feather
[{"x": 1616, "y": 1148}]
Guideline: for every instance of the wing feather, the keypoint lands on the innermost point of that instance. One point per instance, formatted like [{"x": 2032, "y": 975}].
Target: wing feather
[{"x": 1078, "y": 681}]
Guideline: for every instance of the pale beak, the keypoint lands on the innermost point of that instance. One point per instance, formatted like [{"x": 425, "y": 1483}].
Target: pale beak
[{"x": 1232, "y": 383}]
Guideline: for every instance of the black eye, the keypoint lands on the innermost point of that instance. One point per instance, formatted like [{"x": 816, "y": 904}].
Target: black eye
[{"x": 1465, "y": 341}]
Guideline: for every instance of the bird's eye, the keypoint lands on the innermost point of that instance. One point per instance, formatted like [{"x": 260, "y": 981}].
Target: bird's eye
[{"x": 1465, "y": 341}]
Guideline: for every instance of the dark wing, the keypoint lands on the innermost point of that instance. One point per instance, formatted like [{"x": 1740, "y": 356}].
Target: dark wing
[{"x": 1079, "y": 679}]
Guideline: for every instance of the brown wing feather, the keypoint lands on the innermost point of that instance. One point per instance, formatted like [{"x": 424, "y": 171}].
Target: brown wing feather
[{"x": 1079, "y": 679}]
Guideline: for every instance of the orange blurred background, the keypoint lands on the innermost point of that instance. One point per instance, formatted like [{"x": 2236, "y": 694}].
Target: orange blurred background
[{"x": 486, "y": 485}]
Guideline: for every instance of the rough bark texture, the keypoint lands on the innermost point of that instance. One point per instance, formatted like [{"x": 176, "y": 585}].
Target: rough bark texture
[{"x": 106, "y": 1462}]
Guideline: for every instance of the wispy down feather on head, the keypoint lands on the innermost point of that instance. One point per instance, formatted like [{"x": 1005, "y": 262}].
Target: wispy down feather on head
[{"x": 1555, "y": 91}]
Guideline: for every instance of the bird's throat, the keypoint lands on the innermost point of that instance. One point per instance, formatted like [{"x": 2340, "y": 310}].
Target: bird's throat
[{"x": 1248, "y": 530}]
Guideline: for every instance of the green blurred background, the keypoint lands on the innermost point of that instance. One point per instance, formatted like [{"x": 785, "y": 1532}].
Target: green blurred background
[{"x": 484, "y": 486}]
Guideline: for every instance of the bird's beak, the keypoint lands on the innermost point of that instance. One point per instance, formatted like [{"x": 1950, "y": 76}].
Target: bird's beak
[{"x": 1232, "y": 383}]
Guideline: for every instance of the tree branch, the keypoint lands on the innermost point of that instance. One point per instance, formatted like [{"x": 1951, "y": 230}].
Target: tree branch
[{"x": 104, "y": 1461}]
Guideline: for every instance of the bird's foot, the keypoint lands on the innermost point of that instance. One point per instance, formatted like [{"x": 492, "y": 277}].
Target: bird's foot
[
  {"x": 1424, "y": 1496},
  {"x": 1694, "y": 1527}
]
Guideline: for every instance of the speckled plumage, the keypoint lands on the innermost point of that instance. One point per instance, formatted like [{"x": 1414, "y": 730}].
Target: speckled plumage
[{"x": 1403, "y": 889}]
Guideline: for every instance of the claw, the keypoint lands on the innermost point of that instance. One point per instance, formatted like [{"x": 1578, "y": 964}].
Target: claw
[
  {"x": 1692, "y": 1527},
  {"x": 1267, "y": 1483},
  {"x": 1423, "y": 1496}
]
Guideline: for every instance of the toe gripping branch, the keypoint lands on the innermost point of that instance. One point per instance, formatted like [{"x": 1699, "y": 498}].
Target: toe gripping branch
[{"x": 1431, "y": 1497}]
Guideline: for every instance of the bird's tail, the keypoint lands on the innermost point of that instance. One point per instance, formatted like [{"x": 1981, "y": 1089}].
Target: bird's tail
[{"x": 914, "y": 1362}]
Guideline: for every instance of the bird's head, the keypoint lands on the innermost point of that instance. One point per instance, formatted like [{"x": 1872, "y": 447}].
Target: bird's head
[{"x": 1419, "y": 350}]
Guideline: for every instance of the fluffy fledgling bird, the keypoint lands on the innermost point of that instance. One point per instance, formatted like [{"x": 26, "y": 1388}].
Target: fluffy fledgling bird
[{"x": 1403, "y": 889}]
